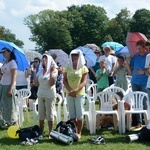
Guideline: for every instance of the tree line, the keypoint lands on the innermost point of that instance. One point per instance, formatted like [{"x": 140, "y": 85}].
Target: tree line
[{"x": 79, "y": 25}]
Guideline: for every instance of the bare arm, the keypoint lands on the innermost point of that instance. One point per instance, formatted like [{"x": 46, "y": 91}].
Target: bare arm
[
  {"x": 65, "y": 82},
  {"x": 53, "y": 75},
  {"x": 36, "y": 82},
  {"x": 14, "y": 76}
]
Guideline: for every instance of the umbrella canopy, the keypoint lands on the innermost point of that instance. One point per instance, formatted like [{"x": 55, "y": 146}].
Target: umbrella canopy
[
  {"x": 123, "y": 52},
  {"x": 89, "y": 56},
  {"x": 19, "y": 54},
  {"x": 92, "y": 46},
  {"x": 132, "y": 38},
  {"x": 62, "y": 57},
  {"x": 114, "y": 45},
  {"x": 31, "y": 54}
]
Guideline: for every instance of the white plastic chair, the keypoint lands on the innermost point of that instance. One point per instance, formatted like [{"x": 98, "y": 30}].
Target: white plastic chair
[
  {"x": 57, "y": 112},
  {"x": 115, "y": 89},
  {"x": 106, "y": 107},
  {"x": 135, "y": 99},
  {"x": 21, "y": 96},
  {"x": 87, "y": 112},
  {"x": 89, "y": 82},
  {"x": 92, "y": 90}
]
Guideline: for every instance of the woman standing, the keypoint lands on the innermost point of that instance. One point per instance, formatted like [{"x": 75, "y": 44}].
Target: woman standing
[
  {"x": 7, "y": 92},
  {"x": 75, "y": 76},
  {"x": 45, "y": 80}
]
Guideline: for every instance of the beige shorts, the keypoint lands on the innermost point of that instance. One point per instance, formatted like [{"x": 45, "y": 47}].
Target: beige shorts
[{"x": 46, "y": 108}]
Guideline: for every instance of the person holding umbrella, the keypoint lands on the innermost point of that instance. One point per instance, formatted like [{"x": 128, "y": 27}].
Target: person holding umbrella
[
  {"x": 139, "y": 77},
  {"x": 7, "y": 93},
  {"x": 75, "y": 76}
]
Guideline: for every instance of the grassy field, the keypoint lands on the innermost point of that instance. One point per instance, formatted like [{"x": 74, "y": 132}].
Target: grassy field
[{"x": 113, "y": 141}]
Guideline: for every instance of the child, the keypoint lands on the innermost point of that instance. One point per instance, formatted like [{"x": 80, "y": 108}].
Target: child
[
  {"x": 102, "y": 77},
  {"x": 120, "y": 72},
  {"x": 105, "y": 120},
  {"x": 126, "y": 105}
]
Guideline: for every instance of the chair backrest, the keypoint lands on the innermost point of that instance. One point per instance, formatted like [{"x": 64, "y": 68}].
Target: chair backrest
[
  {"x": 88, "y": 83},
  {"x": 92, "y": 90},
  {"x": 106, "y": 100},
  {"x": 21, "y": 95},
  {"x": 136, "y": 99},
  {"x": 115, "y": 89}
]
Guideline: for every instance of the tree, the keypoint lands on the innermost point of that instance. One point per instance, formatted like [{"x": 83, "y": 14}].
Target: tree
[
  {"x": 50, "y": 30},
  {"x": 5, "y": 34},
  {"x": 141, "y": 22},
  {"x": 119, "y": 26},
  {"x": 89, "y": 24}
]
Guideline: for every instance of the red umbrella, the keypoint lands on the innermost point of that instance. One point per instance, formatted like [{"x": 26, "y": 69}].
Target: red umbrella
[{"x": 132, "y": 38}]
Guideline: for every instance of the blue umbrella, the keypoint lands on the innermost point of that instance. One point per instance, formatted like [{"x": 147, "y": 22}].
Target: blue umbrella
[
  {"x": 123, "y": 52},
  {"x": 19, "y": 53},
  {"x": 114, "y": 45},
  {"x": 89, "y": 56}
]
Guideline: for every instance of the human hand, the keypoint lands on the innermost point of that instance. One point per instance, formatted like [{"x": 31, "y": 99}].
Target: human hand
[
  {"x": 140, "y": 71},
  {"x": 9, "y": 93},
  {"x": 73, "y": 93}
]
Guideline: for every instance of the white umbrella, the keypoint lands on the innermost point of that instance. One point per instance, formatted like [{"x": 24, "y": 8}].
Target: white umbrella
[
  {"x": 62, "y": 57},
  {"x": 31, "y": 54}
]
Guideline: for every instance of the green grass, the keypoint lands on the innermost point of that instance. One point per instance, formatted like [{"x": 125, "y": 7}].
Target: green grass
[{"x": 114, "y": 141}]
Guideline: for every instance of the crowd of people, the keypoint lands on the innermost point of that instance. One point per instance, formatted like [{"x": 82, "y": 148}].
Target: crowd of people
[{"x": 46, "y": 77}]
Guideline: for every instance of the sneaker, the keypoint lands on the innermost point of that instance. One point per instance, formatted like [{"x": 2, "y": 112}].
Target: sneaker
[{"x": 97, "y": 140}]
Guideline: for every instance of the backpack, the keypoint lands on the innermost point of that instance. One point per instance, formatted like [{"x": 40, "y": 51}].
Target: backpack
[
  {"x": 68, "y": 128},
  {"x": 29, "y": 132}
]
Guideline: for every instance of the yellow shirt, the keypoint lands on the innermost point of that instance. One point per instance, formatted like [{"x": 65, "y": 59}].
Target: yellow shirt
[{"x": 74, "y": 78}]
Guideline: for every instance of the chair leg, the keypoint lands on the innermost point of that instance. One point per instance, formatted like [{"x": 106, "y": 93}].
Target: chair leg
[
  {"x": 123, "y": 123},
  {"x": 128, "y": 121}
]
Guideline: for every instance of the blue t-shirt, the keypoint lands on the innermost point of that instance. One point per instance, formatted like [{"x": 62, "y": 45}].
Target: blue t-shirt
[{"x": 138, "y": 62}]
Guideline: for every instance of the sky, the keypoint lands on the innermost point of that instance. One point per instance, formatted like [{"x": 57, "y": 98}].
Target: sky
[{"x": 13, "y": 12}]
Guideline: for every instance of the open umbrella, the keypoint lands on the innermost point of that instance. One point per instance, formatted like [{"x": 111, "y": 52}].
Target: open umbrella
[
  {"x": 92, "y": 46},
  {"x": 19, "y": 54},
  {"x": 62, "y": 57},
  {"x": 89, "y": 56},
  {"x": 123, "y": 52},
  {"x": 132, "y": 38},
  {"x": 31, "y": 54},
  {"x": 114, "y": 45}
]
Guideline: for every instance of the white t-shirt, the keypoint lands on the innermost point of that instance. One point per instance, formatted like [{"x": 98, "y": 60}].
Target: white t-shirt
[
  {"x": 147, "y": 65},
  {"x": 109, "y": 61},
  {"x": 6, "y": 70},
  {"x": 44, "y": 88},
  {"x": 21, "y": 78}
]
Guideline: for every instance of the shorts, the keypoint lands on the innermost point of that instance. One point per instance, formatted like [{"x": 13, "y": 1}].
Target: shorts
[
  {"x": 76, "y": 107},
  {"x": 46, "y": 108}
]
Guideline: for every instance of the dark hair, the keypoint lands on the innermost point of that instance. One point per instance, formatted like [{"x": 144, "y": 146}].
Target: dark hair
[
  {"x": 140, "y": 42},
  {"x": 37, "y": 58},
  {"x": 120, "y": 94},
  {"x": 12, "y": 55},
  {"x": 54, "y": 55},
  {"x": 121, "y": 57}
]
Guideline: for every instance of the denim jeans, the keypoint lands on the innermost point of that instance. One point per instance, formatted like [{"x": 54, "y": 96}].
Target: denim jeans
[{"x": 136, "y": 87}]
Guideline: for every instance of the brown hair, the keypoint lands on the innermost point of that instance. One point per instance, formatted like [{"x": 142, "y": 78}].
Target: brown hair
[{"x": 140, "y": 42}]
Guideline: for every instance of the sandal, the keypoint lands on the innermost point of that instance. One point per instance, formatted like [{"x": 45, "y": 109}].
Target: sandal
[{"x": 97, "y": 140}]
